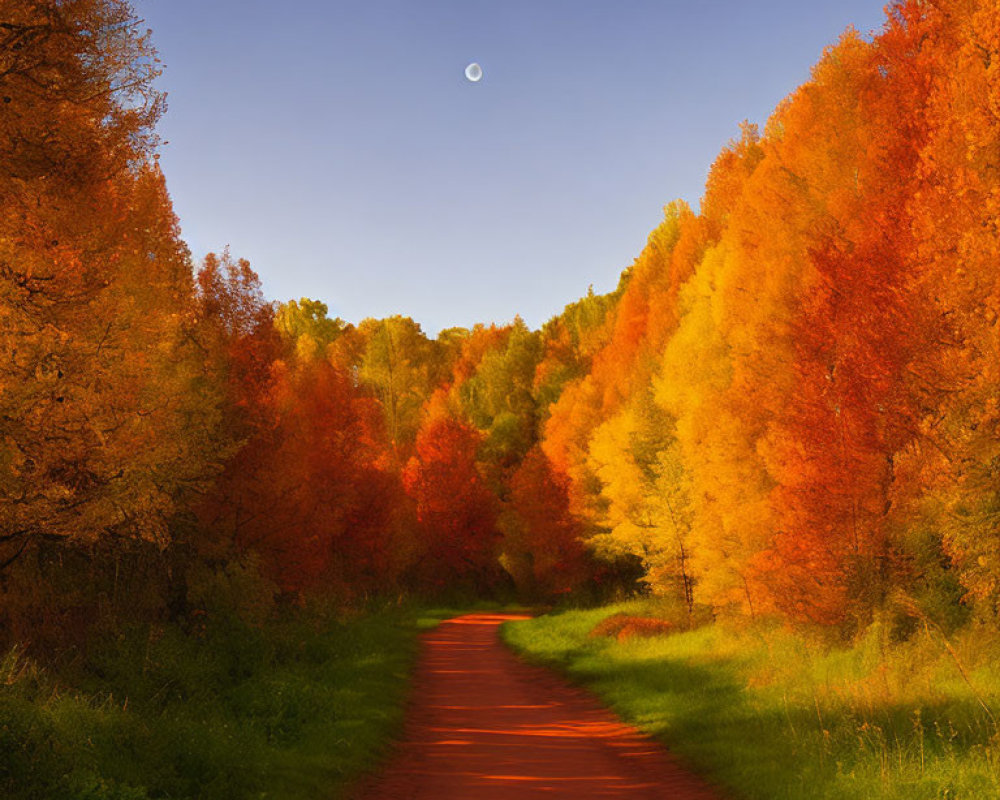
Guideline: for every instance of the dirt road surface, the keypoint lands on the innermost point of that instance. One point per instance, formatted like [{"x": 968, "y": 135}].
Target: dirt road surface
[{"x": 484, "y": 724}]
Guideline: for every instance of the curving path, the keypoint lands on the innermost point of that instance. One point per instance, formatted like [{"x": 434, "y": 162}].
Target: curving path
[{"x": 484, "y": 724}]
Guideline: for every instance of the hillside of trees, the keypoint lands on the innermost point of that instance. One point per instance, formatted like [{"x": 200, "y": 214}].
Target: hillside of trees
[{"x": 789, "y": 407}]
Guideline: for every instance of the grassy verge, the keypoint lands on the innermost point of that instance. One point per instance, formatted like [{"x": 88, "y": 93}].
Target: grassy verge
[
  {"x": 772, "y": 715},
  {"x": 291, "y": 709}
]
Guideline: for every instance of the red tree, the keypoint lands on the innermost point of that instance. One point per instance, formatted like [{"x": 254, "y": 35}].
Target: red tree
[
  {"x": 456, "y": 511},
  {"x": 543, "y": 545},
  {"x": 314, "y": 493}
]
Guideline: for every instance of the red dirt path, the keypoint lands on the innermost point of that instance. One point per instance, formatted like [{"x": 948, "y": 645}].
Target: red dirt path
[{"x": 484, "y": 724}]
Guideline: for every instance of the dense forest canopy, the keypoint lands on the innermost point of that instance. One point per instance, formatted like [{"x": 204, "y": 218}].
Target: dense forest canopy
[{"x": 789, "y": 407}]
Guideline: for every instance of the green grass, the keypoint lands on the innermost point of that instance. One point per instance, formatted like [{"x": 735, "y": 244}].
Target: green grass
[
  {"x": 770, "y": 714},
  {"x": 292, "y": 709}
]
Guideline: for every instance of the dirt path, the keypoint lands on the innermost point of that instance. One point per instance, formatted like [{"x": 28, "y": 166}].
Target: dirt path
[{"x": 483, "y": 724}]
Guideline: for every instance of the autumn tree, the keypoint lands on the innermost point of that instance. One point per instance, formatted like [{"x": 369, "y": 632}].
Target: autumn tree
[
  {"x": 645, "y": 498},
  {"x": 399, "y": 364},
  {"x": 70, "y": 130},
  {"x": 542, "y": 541},
  {"x": 305, "y": 323},
  {"x": 456, "y": 510},
  {"x": 634, "y": 332},
  {"x": 312, "y": 492},
  {"x": 955, "y": 208},
  {"x": 569, "y": 343},
  {"x": 497, "y": 398},
  {"x": 108, "y": 426}
]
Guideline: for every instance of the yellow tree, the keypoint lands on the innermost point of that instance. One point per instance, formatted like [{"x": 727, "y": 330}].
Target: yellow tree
[
  {"x": 645, "y": 497},
  {"x": 717, "y": 424}
]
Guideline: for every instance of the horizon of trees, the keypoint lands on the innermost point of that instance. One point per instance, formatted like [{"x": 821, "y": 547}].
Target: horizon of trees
[{"x": 789, "y": 407}]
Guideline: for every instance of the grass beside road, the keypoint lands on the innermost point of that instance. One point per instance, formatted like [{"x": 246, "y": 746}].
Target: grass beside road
[
  {"x": 289, "y": 709},
  {"x": 769, "y": 714}
]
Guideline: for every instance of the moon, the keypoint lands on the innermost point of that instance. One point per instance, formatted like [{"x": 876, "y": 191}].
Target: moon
[{"x": 474, "y": 72}]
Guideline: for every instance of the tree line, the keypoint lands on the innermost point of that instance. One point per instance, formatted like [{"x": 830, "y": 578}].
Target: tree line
[{"x": 788, "y": 407}]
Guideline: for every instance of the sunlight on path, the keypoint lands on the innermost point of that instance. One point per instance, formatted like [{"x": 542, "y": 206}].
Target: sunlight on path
[{"x": 483, "y": 724}]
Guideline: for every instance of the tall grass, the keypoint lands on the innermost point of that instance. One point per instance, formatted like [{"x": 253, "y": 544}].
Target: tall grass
[
  {"x": 227, "y": 711},
  {"x": 771, "y": 714}
]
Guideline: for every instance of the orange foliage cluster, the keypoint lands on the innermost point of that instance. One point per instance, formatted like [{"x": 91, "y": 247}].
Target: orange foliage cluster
[
  {"x": 624, "y": 627},
  {"x": 821, "y": 342}
]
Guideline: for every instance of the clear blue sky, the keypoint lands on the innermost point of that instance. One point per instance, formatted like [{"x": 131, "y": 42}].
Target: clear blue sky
[{"x": 339, "y": 147}]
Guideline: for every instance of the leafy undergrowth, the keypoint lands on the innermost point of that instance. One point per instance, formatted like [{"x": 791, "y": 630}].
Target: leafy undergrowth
[
  {"x": 291, "y": 709},
  {"x": 770, "y": 714}
]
